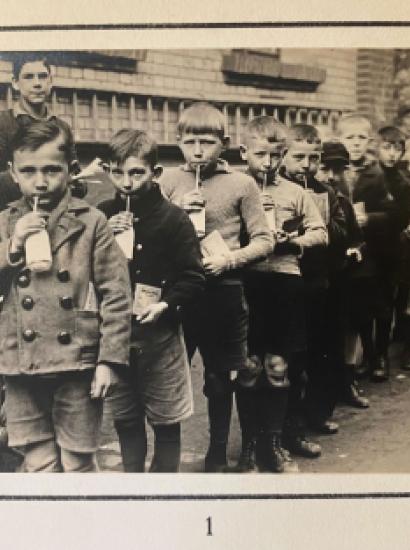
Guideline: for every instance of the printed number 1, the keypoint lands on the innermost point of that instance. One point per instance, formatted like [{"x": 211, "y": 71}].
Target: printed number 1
[{"x": 209, "y": 522}]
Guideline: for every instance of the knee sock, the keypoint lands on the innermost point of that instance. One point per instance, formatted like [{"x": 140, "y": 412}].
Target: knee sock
[
  {"x": 246, "y": 403},
  {"x": 133, "y": 443},
  {"x": 167, "y": 448},
  {"x": 383, "y": 328},
  {"x": 219, "y": 411},
  {"x": 366, "y": 337},
  {"x": 272, "y": 404}
]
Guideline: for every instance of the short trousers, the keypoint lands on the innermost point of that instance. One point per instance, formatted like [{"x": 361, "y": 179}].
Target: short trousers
[
  {"x": 217, "y": 325},
  {"x": 157, "y": 384},
  {"x": 276, "y": 313},
  {"x": 56, "y": 407}
]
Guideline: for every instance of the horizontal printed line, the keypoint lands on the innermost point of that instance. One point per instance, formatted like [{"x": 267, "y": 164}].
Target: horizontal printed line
[
  {"x": 211, "y": 25},
  {"x": 233, "y": 497}
]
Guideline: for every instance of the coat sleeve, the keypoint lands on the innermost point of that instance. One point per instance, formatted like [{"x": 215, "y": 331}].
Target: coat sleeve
[
  {"x": 8, "y": 265},
  {"x": 186, "y": 256},
  {"x": 314, "y": 230},
  {"x": 111, "y": 280},
  {"x": 337, "y": 228},
  {"x": 259, "y": 236}
]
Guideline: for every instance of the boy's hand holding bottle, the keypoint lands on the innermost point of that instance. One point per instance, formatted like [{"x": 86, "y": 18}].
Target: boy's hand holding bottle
[
  {"x": 193, "y": 201},
  {"x": 120, "y": 222},
  {"x": 27, "y": 225}
]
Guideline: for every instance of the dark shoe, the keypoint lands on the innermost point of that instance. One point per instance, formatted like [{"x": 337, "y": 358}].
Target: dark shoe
[
  {"x": 302, "y": 447},
  {"x": 352, "y": 398},
  {"x": 274, "y": 460},
  {"x": 247, "y": 460},
  {"x": 215, "y": 460},
  {"x": 326, "y": 427},
  {"x": 381, "y": 371},
  {"x": 212, "y": 467},
  {"x": 289, "y": 466}
]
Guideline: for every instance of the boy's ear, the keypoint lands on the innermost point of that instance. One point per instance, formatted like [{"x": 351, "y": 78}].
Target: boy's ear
[
  {"x": 225, "y": 141},
  {"x": 12, "y": 173},
  {"x": 243, "y": 151},
  {"x": 157, "y": 171},
  {"x": 15, "y": 84}
]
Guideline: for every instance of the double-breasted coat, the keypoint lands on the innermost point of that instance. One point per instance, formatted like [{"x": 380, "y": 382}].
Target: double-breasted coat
[{"x": 47, "y": 324}]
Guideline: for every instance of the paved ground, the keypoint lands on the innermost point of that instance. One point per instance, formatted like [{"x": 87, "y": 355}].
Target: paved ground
[{"x": 376, "y": 440}]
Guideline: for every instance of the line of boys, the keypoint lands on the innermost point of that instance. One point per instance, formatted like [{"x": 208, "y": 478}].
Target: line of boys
[{"x": 169, "y": 271}]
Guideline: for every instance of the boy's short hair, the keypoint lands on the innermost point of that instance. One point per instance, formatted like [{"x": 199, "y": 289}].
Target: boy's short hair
[
  {"x": 303, "y": 132},
  {"x": 391, "y": 134},
  {"x": 266, "y": 127},
  {"x": 202, "y": 118},
  {"x": 38, "y": 133},
  {"x": 137, "y": 143},
  {"x": 353, "y": 119},
  {"x": 21, "y": 58}
]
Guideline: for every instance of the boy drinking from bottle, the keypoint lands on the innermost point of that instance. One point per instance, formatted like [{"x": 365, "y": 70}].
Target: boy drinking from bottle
[
  {"x": 64, "y": 326},
  {"x": 166, "y": 275},
  {"x": 274, "y": 289},
  {"x": 217, "y": 324}
]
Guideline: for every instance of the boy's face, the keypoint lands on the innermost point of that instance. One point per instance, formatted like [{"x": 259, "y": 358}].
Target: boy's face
[
  {"x": 132, "y": 177},
  {"x": 33, "y": 83},
  {"x": 262, "y": 156},
  {"x": 301, "y": 160},
  {"x": 43, "y": 172},
  {"x": 331, "y": 173},
  {"x": 389, "y": 153},
  {"x": 355, "y": 137},
  {"x": 200, "y": 149}
]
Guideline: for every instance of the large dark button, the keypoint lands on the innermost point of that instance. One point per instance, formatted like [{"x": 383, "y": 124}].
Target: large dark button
[
  {"x": 23, "y": 280},
  {"x": 27, "y": 302},
  {"x": 64, "y": 337},
  {"x": 29, "y": 335},
  {"x": 63, "y": 276},
  {"x": 66, "y": 302}
]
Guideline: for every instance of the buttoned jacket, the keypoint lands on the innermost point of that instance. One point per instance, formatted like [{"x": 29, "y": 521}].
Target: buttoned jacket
[
  {"x": 166, "y": 251},
  {"x": 48, "y": 323}
]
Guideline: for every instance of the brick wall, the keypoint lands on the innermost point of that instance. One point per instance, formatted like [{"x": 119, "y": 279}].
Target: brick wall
[{"x": 375, "y": 90}]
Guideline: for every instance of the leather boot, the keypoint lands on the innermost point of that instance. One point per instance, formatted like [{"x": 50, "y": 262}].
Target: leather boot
[
  {"x": 351, "y": 397},
  {"x": 247, "y": 460},
  {"x": 270, "y": 455}
]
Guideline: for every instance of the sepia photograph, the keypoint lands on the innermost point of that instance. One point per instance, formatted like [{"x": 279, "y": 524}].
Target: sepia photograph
[
  {"x": 254, "y": 317},
  {"x": 205, "y": 278}
]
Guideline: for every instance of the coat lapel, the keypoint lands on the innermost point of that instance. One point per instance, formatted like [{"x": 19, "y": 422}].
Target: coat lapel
[{"x": 67, "y": 227}]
